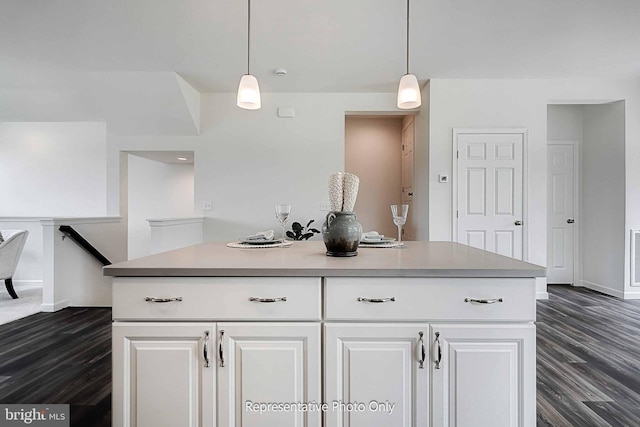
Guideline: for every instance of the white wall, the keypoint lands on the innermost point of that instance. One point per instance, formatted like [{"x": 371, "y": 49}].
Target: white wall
[
  {"x": 565, "y": 122},
  {"x": 373, "y": 152},
  {"x": 420, "y": 217},
  {"x": 155, "y": 190},
  {"x": 52, "y": 169},
  {"x": 521, "y": 103},
  {"x": 602, "y": 229},
  {"x": 247, "y": 161}
]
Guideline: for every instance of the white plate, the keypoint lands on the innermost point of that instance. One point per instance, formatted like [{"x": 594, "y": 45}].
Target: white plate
[
  {"x": 261, "y": 242},
  {"x": 382, "y": 241}
]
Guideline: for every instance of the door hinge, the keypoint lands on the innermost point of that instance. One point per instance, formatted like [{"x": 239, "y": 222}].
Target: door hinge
[
  {"x": 457, "y": 154},
  {"x": 457, "y": 215}
]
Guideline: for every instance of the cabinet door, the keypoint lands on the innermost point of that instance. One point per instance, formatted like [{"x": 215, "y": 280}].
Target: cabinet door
[
  {"x": 268, "y": 363},
  {"x": 486, "y": 376},
  {"x": 375, "y": 366},
  {"x": 160, "y": 374}
]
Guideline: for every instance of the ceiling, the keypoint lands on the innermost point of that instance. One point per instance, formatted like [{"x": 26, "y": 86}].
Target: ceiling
[{"x": 326, "y": 45}]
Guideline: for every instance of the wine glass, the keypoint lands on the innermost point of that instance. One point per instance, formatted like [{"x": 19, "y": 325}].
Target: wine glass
[
  {"x": 282, "y": 215},
  {"x": 399, "y": 218}
]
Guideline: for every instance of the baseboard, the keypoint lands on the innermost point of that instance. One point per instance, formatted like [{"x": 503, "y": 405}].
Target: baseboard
[
  {"x": 50, "y": 308},
  {"x": 601, "y": 288},
  {"x": 632, "y": 294},
  {"x": 542, "y": 295},
  {"x": 541, "y": 288}
]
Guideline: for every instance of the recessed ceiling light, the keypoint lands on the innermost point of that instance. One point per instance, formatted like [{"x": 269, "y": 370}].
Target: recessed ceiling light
[{"x": 182, "y": 158}]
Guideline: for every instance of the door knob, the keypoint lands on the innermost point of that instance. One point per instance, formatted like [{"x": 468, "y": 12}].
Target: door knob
[
  {"x": 518, "y": 222},
  {"x": 570, "y": 221},
  {"x": 410, "y": 194}
]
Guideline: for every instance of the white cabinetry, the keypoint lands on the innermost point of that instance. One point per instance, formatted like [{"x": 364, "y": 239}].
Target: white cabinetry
[
  {"x": 264, "y": 363},
  {"x": 485, "y": 376},
  {"x": 443, "y": 351},
  {"x": 375, "y": 366},
  {"x": 161, "y": 377}
]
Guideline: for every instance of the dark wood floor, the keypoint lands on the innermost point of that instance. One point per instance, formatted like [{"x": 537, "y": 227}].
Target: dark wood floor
[
  {"x": 588, "y": 361},
  {"x": 62, "y": 357}
]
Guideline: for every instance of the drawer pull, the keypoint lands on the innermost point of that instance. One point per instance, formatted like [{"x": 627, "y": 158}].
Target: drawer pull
[
  {"x": 422, "y": 354},
  {"x": 150, "y": 299},
  {"x": 254, "y": 299},
  {"x": 439, "y": 351},
  {"x": 377, "y": 300},
  {"x": 205, "y": 349},
  {"x": 220, "y": 351},
  {"x": 483, "y": 301}
]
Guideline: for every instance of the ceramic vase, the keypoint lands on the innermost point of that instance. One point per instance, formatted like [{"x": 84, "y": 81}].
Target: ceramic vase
[{"x": 341, "y": 233}]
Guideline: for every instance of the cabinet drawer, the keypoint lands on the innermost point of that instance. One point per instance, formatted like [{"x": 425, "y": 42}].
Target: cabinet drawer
[
  {"x": 430, "y": 299},
  {"x": 216, "y": 298}
]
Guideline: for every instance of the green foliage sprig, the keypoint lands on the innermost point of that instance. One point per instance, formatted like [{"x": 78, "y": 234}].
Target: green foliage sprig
[{"x": 302, "y": 233}]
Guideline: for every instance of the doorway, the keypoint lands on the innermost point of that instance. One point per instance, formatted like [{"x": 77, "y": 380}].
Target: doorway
[
  {"x": 562, "y": 167},
  {"x": 160, "y": 185},
  {"x": 380, "y": 151},
  {"x": 489, "y": 190}
]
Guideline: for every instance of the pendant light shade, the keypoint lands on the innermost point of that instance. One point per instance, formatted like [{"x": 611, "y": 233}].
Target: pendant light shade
[
  {"x": 248, "y": 90},
  {"x": 409, "y": 92},
  {"x": 249, "y": 93},
  {"x": 408, "y": 89}
]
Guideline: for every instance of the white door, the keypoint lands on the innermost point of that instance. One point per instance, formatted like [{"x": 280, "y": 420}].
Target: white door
[
  {"x": 560, "y": 202},
  {"x": 376, "y": 363},
  {"x": 408, "y": 143},
  {"x": 161, "y": 377},
  {"x": 485, "y": 376},
  {"x": 489, "y": 191},
  {"x": 268, "y": 363}
]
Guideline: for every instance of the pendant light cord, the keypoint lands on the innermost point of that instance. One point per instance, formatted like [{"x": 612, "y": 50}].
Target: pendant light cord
[
  {"x": 407, "y": 36},
  {"x": 249, "y": 34}
]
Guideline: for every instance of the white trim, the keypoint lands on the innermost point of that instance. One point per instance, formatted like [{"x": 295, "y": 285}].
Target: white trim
[
  {"x": 577, "y": 187},
  {"x": 542, "y": 295},
  {"x": 601, "y": 288},
  {"x": 634, "y": 236},
  {"x": 632, "y": 295},
  {"x": 81, "y": 220},
  {"x": 22, "y": 218},
  {"x": 525, "y": 180},
  {"x": 33, "y": 283},
  {"x": 166, "y": 222},
  {"x": 50, "y": 308}
]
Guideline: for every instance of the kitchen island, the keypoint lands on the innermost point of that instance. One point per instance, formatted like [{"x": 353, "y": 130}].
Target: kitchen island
[{"x": 433, "y": 334}]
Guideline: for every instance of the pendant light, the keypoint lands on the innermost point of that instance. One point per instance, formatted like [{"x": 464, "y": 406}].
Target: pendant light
[
  {"x": 408, "y": 89},
  {"x": 248, "y": 90}
]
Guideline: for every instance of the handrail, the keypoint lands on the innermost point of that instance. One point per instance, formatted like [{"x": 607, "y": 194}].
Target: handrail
[{"x": 76, "y": 237}]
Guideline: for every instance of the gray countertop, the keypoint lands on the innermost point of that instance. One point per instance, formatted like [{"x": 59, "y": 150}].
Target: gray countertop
[{"x": 417, "y": 259}]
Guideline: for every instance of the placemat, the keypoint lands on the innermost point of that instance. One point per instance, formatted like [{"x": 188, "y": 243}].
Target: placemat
[
  {"x": 241, "y": 245},
  {"x": 381, "y": 245}
]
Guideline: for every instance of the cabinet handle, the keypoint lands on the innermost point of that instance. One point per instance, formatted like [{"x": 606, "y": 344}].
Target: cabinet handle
[
  {"x": 483, "y": 301},
  {"x": 255, "y": 299},
  {"x": 220, "y": 351},
  {"x": 439, "y": 349},
  {"x": 150, "y": 299},
  {"x": 422, "y": 354},
  {"x": 376, "y": 300},
  {"x": 205, "y": 350}
]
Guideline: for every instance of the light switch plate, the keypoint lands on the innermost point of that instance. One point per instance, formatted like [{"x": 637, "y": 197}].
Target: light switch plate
[
  {"x": 443, "y": 178},
  {"x": 207, "y": 206},
  {"x": 325, "y": 206}
]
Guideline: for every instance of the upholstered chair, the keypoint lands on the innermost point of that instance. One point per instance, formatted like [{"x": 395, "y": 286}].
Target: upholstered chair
[{"x": 10, "y": 251}]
